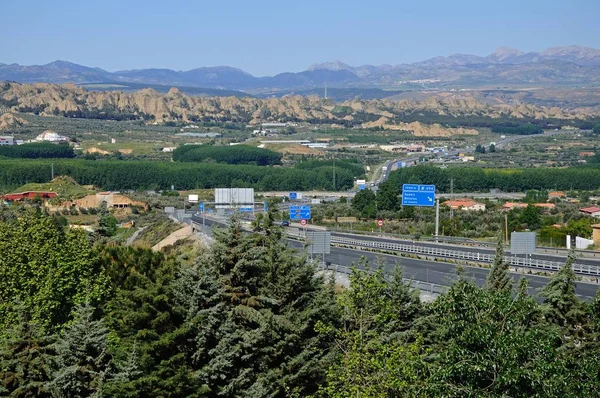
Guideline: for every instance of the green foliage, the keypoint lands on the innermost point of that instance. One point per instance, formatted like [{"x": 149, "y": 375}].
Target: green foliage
[
  {"x": 499, "y": 279},
  {"x": 365, "y": 202},
  {"x": 491, "y": 344},
  {"x": 82, "y": 358},
  {"x": 388, "y": 198},
  {"x": 250, "y": 317},
  {"x": 107, "y": 225},
  {"x": 526, "y": 129},
  {"x": 561, "y": 305},
  {"x": 476, "y": 179},
  {"x": 237, "y": 154},
  {"x": 145, "y": 319},
  {"x": 374, "y": 358},
  {"x": 37, "y": 150},
  {"x": 123, "y": 175},
  {"x": 47, "y": 268},
  {"x": 26, "y": 359},
  {"x": 530, "y": 218},
  {"x": 253, "y": 305},
  {"x": 353, "y": 166},
  {"x": 596, "y": 128}
]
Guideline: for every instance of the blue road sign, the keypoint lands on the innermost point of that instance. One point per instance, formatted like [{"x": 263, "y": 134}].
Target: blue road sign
[
  {"x": 362, "y": 186},
  {"x": 418, "y": 195},
  {"x": 300, "y": 213},
  {"x": 246, "y": 209},
  {"x": 293, "y": 195},
  {"x": 201, "y": 206}
]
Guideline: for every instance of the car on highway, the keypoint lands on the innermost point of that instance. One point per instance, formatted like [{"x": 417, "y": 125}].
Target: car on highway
[{"x": 285, "y": 223}]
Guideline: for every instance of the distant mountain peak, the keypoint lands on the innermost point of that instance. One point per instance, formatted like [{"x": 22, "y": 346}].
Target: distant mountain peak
[
  {"x": 505, "y": 52},
  {"x": 334, "y": 65}
]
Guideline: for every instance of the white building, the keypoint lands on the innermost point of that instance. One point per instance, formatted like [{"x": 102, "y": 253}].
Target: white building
[
  {"x": 169, "y": 149},
  {"x": 6, "y": 140},
  {"x": 51, "y": 136}
]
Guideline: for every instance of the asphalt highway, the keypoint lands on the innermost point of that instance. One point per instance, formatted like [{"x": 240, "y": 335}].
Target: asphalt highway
[
  {"x": 471, "y": 249},
  {"x": 439, "y": 273}
]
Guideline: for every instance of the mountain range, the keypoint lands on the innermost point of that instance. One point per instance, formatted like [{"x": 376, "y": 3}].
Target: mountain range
[{"x": 558, "y": 66}]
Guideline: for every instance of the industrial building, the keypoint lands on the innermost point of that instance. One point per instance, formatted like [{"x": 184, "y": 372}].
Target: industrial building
[{"x": 7, "y": 140}]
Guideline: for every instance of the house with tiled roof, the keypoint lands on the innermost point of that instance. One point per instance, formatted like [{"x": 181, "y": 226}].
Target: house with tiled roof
[
  {"x": 464, "y": 204},
  {"x": 593, "y": 211}
]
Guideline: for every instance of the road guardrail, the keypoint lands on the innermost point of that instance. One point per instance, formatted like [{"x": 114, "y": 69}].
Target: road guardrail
[{"x": 515, "y": 261}]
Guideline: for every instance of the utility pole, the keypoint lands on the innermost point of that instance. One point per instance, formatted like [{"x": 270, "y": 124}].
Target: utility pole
[
  {"x": 334, "y": 174},
  {"x": 452, "y": 194},
  {"x": 437, "y": 219},
  {"x": 506, "y": 228},
  {"x": 52, "y": 165}
]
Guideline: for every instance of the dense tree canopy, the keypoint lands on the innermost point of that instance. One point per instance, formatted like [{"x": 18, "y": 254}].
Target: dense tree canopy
[
  {"x": 250, "y": 317},
  {"x": 237, "y": 154},
  {"x": 477, "y": 179},
  {"x": 122, "y": 175},
  {"x": 37, "y": 150}
]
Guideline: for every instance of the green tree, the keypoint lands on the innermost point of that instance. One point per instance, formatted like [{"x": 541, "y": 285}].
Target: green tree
[
  {"x": 374, "y": 359},
  {"x": 145, "y": 318},
  {"x": 388, "y": 198},
  {"x": 499, "y": 279},
  {"x": 596, "y": 128},
  {"x": 493, "y": 345},
  {"x": 47, "y": 268},
  {"x": 365, "y": 202},
  {"x": 530, "y": 217},
  {"x": 252, "y": 304},
  {"x": 492, "y": 148},
  {"x": 107, "y": 224},
  {"x": 561, "y": 304},
  {"x": 83, "y": 363},
  {"x": 26, "y": 359}
]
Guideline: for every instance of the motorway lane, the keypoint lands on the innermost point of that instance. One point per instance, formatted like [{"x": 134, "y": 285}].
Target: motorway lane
[
  {"x": 538, "y": 256},
  {"x": 436, "y": 272}
]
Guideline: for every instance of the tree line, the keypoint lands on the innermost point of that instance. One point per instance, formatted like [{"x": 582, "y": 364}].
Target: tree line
[
  {"x": 237, "y": 154},
  {"x": 250, "y": 317},
  {"x": 37, "y": 150},
  {"x": 140, "y": 175},
  {"x": 476, "y": 179}
]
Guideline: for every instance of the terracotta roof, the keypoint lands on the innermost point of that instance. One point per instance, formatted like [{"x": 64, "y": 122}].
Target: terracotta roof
[
  {"x": 590, "y": 210},
  {"x": 556, "y": 194},
  {"x": 460, "y": 203},
  {"x": 545, "y": 205},
  {"x": 512, "y": 205}
]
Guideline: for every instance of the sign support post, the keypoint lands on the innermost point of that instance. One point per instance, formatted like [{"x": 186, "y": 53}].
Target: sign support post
[{"x": 437, "y": 219}]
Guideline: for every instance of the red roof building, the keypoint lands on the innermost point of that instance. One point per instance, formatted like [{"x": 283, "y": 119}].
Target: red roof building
[
  {"x": 15, "y": 197},
  {"x": 593, "y": 211}
]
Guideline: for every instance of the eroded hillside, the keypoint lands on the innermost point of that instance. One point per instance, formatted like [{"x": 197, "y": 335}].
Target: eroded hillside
[{"x": 74, "y": 101}]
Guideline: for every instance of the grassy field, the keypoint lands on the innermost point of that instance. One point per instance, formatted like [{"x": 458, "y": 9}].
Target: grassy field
[{"x": 65, "y": 187}]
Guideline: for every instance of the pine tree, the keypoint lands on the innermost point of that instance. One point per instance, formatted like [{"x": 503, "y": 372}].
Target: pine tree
[
  {"x": 25, "y": 359},
  {"x": 561, "y": 304},
  {"x": 146, "y": 319},
  {"x": 499, "y": 279},
  {"x": 82, "y": 357},
  {"x": 522, "y": 287},
  {"x": 253, "y": 304}
]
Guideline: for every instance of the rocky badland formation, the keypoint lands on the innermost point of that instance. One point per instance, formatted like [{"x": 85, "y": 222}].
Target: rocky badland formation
[
  {"x": 53, "y": 99},
  {"x": 8, "y": 120}
]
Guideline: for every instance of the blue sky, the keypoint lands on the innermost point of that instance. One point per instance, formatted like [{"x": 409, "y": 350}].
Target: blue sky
[{"x": 269, "y": 37}]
